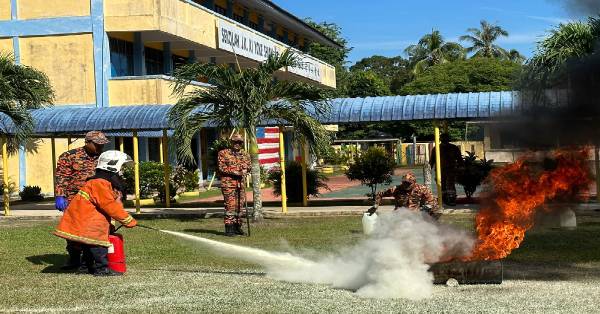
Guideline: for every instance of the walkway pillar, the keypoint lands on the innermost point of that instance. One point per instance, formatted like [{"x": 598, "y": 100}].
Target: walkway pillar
[
  {"x": 53, "y": 149},
  {"x": 69, "y": 143},
  {"x": 121, "y": 144},
  {"x": 164, "y": 151},
  {"x": 136, "y": 170},
  {"x": 5, "y": 176},
  {"x": 597, "y": 166},
  {"x": 304, "y": 156},
  {"x": 282, "y": 166},
  {"x": 438, "y": 168}
]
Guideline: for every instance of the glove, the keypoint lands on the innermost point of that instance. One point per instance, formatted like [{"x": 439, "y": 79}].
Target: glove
[
  {"x": 132, "y": 224},
  {"x": 60, "y": 203}
]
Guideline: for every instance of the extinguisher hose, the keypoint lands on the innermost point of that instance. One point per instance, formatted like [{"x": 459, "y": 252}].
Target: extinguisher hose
[{"x": 147, "y": 227}]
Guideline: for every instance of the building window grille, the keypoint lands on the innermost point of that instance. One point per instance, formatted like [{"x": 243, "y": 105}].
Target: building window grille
[
  {"x": 154, "y": 61},
  {"x": 221, "y": 10},
  {"x": 121, "y": 57},
  {"x": 253, "y": 25},
  {"x": 238, "y": 18}
]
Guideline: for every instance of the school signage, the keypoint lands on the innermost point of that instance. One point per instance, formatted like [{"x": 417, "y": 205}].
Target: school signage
[{"x": 257, "y": 47}]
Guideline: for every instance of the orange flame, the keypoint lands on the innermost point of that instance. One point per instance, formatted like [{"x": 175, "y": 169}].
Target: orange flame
[{"x": 517, "y": 192}]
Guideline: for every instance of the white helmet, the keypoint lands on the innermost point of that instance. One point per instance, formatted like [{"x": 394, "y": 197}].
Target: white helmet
[{"x": 113, "y": 161}]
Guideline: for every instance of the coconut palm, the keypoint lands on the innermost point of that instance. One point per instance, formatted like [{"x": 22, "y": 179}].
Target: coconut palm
[
  {"x": 483, "y": 40},
  {"x": 243, "y": 99},
  {"x": 21, "y": 88},
  {"x": 431, "y": 50},
  {"x": 515, "y": 56}
]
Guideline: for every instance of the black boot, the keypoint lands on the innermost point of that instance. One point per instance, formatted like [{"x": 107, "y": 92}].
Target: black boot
[
  {"x": 238, "y": 229},
  {"x": 230, "y": 230}
]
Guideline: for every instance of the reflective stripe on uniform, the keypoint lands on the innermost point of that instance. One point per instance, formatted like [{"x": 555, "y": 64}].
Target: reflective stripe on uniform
[
  {"x": 127, "y": 220},
  {"x": 84, "y": 195},
  {"x": 75, "y": 238}
]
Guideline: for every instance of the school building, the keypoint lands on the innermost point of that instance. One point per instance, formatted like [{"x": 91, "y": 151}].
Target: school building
[{"x": 103, "y": 53}]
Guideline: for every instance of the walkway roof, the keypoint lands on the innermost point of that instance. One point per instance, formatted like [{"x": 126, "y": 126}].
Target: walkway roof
[{"x": 150, "y": 119}]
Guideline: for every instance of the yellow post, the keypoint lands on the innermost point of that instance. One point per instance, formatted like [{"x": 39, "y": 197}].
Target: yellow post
[
  {"x": 121, "y": 144},
  {"x": 160, "y": 149},
  {"x": 164, "y": 153},
  {"x": 5, "y": 175},
  {"x": 304, "y": 155},
  {"x": 136, "y": 169},
  {"x": 597, "y": 166},
  {"x": 438, "y": 168},
  {"x": 53, "y": 147},
  {"x": 282, "y": 165},
  {"x": 69, "y": 143}
]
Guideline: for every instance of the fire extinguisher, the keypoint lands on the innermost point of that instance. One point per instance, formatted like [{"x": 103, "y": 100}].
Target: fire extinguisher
[{"x": 116, "y": 253}]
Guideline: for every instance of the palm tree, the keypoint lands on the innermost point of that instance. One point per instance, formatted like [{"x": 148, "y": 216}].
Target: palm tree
[
  {"x": 483, "y": 40},
  {"x": 243, "y": 99},
  {"x": 431, "y": 50},
  {"x": 515, "y": 56},
  {"x": 21, "y": 88}
]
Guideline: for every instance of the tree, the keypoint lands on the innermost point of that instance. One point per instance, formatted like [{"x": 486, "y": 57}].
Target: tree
[
  {"x": 472, "y": 75},
  {"x": 515, "y": 56},
  {"x": 21, "y": 88},
  {"x": 242, "y": 99},
  {"x": 483, "y": 39},
  {"x": 432, "y": 50},
  {"x": 364, "y": 84},
  {"x": 372, "y": 168}
]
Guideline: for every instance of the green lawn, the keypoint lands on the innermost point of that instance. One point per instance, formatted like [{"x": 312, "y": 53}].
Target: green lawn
[{"x": 166, "y": 274}]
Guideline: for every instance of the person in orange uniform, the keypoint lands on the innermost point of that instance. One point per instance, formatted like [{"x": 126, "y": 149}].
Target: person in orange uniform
[{"x": 87, "y": 220}]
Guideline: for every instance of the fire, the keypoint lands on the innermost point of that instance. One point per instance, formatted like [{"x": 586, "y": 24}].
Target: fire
[{"x": 519, "y": 190}]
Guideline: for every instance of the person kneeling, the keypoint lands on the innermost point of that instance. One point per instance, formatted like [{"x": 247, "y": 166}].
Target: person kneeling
[{"x": 87, "y": 219}]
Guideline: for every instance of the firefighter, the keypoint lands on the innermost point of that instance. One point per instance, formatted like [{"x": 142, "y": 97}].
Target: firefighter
[
  {"x": 451, "y": 161},
  {"x": 233, "y": 166},
  {"x": 411, "y": 195},
  {"x": 72, "y": 170},
  {"x": 87, "y": 219}
]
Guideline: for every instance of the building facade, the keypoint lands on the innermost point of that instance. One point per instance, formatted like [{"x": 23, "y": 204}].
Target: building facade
[{"x": 104, "y": 53}]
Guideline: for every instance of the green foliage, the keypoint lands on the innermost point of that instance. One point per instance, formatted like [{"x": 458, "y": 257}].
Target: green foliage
[
  {"x": 332, "y": 55},
  {"x": 31, "y": 193},
  {"x": 217, "y": 146},
  {"x": 393, "y": 71},
  {"x": 473, "y": 75},
  {"x": 364, "y": 84},
  {"x": 473, "y": 173},
  {"x": 335, "y": 157},
  {"x": 184, "y": 179},
  {"x": 152, "y": 179},
  {"x": 372, "y": 168},
  {"x": 293, "y": 184},
  {"x": 431, "y": 50},
  {"x": 21, "y": 88},
  {"x": 483, "y": 39}
]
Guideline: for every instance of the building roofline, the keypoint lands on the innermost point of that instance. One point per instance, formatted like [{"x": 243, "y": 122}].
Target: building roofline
[{"x": 302, "y": 23}]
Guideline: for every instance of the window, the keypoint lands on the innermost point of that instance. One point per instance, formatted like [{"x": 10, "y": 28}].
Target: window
[
  {"x": 238, "y": 18},
  {"x": 178, "y": 61},
  {"x": 154, "y": 61},
  {"x": 253, "y": 25},
  {"x": 121, "y": 57},
  {"x": 220, "y": 10}
]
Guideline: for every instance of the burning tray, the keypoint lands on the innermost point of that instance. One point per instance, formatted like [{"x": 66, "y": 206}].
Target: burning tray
[{"x": 468, "y": 273}]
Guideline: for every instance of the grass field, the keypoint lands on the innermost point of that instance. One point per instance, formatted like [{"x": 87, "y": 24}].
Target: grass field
[{"x": 554, "y": 271}]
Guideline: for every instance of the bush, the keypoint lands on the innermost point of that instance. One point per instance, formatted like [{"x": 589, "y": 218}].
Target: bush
[
  {"x": 334, "y": 157},
  {"x": 152, "y": 179},
  {"x": 293, "y": 183},
  {"x": 184, "y": 179},
  {"x": 11, "y": 188},
  {"x": 372, "y": 168},
  {"x": 31, "y": 193},
  {"x": 473, "y": 172}
]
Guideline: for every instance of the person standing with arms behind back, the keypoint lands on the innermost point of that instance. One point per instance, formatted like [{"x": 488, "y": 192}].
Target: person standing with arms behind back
[
  {"x": 234, "y": 164},
  {"x": 72, "y": 170},
  {"x": 451, "y": 160}
]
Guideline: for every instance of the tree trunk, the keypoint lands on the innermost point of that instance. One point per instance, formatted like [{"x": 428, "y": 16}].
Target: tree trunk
[
  {"x": 255, "y": 172},
  {"x": 427, "y": 174}
]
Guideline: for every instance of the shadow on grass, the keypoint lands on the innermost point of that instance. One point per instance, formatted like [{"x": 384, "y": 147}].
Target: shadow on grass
[{"x": 54, "y": 262}]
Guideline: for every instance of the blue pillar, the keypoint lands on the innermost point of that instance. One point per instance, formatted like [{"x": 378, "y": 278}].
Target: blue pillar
[
  {"x": 143, "y": 147},
  {"x": 139, "y": 61},
  {"x": 167, "y": 59},
  {"x": 230, "y": 9}
]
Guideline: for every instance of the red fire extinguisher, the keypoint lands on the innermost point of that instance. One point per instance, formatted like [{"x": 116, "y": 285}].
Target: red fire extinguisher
[{"x": 116, "y": 253}]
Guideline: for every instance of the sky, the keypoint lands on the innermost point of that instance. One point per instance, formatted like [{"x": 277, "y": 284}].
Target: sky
[{"x": 386, "y": 27}]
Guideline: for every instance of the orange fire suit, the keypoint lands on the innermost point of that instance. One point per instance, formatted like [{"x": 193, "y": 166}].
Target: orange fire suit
[{"x": 87, "y": 219}]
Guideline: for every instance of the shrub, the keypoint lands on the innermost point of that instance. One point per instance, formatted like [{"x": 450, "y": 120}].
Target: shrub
[
  {"x": 11, "y": 188},
  {"x": 151, "y": 178},
  {"x": 184, "y": 179},
  {"x": 473, "y": 172},
  {"x": 372, "y": 168},
  {"x": 31, "y": 193},
  {"x": 334, "y": 157},
  {"x": 293, "y": 183}
]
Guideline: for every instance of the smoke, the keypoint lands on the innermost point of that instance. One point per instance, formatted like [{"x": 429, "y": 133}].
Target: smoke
[
  {"x": 582, "y": 7},
  {"x": 392, "y": 263}
]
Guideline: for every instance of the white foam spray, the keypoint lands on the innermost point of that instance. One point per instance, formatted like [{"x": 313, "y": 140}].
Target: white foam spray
[{"x": 391, "y": 263}]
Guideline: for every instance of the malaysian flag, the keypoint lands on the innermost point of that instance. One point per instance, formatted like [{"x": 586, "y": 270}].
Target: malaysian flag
[{"x": 268, "y": 146}]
